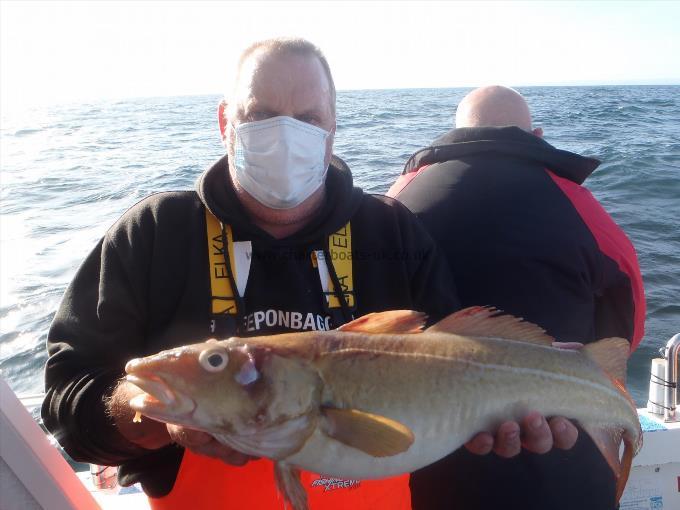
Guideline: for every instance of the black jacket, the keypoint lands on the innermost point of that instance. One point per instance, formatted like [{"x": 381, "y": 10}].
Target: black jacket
[
  {"x": 521, "y": 234},
  {"x": 145, "y": 288}
]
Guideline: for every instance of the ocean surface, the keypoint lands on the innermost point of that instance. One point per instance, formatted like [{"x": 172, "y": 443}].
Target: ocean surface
[{"x": 67, "y": 173}]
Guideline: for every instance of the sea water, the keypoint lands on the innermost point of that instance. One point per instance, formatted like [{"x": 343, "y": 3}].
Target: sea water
[{"x": 68, "y": 172}]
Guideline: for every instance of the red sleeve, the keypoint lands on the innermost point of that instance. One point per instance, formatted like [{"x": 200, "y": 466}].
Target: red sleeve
[
  {"x": 613, "y": 242},
  {"x": 403, "y": 181}
]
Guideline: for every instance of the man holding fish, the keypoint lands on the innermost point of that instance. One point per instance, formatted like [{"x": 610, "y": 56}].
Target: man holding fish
[{"x": 275, "y": 240}]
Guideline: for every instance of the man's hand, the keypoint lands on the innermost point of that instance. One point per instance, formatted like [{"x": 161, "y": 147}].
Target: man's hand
[
  {"x": 533, "y": 433},
  {"x": 148, "y": 434},
  {"x": 205, "y": 444},
  {"x": 152, "y": 434}
]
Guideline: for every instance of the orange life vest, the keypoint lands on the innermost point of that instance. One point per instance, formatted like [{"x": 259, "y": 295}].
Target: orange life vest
[{"x": 204, "y": 483}]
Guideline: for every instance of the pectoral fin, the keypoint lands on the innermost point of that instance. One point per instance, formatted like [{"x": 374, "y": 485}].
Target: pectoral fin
[
  {"x": 289, "y": 485},
  {"x": 393, "y": 321},
  {"x": 372, "y": 434}
]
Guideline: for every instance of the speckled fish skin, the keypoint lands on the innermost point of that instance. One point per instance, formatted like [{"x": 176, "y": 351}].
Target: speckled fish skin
[{"x": 444, "y": 387}]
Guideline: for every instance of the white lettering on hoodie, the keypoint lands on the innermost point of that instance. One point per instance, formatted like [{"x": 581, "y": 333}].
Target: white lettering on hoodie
[{"x": 271, "y": 318}]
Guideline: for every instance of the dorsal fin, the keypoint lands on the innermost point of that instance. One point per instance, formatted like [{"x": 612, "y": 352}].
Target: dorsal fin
[
  {"x": 488, "y": 321},
  {"x": 611, "y": 354},
  {"x": 392, "y": 321}
]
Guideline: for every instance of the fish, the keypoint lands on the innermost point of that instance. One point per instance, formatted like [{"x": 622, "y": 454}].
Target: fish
[{"x": 382, "y": 396}]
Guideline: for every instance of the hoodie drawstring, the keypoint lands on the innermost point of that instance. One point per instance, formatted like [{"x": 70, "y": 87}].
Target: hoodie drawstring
[{"x": 337, "y": 289}]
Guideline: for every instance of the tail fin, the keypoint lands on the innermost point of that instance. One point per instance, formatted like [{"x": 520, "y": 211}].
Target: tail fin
[
  {"x": 608, "y": 441},
  {"x": 629, "y": 450}
]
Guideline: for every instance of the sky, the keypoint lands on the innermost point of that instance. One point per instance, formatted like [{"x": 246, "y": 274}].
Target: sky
[{"x": 54, "y": 52}]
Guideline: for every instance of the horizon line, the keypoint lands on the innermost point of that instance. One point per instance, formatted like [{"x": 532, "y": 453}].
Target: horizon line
[{"x": 113, "y": 97}]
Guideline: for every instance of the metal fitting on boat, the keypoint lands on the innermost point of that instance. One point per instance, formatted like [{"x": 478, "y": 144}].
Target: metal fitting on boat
[
  {"x": 104, "y": 477},
  {"x": 671, "y": 378}
]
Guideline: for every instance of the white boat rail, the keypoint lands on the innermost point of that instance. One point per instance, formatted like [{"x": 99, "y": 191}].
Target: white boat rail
[{"x": 33, "y": 475}]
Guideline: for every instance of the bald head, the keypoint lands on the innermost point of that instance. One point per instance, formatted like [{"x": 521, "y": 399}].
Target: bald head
[
  {"x": 493, "y": 106},
  {"x": 259, "y": 52}
]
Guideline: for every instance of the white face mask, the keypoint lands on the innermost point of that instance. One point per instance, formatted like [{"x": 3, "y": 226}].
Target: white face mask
[{"x": 280, "y": 161}]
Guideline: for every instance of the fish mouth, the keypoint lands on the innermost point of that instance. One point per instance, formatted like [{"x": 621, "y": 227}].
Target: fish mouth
[{"x": 159, "y": 401}]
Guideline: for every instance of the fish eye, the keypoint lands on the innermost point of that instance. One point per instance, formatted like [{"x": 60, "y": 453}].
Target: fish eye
[{"x": 213, "y": 360}]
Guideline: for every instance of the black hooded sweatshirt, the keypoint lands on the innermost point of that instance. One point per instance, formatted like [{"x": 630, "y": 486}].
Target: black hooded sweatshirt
[
  {"x": 521, "y": 234},
  {"x": 146, "y": 287}
]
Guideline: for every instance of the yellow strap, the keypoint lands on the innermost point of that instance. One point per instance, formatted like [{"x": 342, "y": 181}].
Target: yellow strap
[
  {"x": 223, "y": 300},
  {"x": 340, "y": 249}
]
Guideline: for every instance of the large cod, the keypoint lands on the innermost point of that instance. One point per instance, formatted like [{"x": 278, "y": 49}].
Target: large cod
[{"x": 379, "y": 396}]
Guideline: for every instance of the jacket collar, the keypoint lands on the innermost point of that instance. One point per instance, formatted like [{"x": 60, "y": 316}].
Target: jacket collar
[{"x": 510, "y": 140}]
